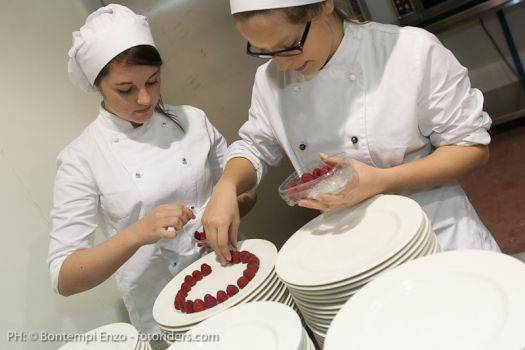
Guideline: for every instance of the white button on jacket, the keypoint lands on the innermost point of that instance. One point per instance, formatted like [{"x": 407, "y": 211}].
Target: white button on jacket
[
  {"x": 387, "y": 96},
  {"x": 103, "y": 182}
]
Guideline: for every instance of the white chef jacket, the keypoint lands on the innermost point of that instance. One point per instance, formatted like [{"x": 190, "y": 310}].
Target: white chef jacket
[
  {"x": 113, "y": 175},
  {"x": 387, "y": 96}
]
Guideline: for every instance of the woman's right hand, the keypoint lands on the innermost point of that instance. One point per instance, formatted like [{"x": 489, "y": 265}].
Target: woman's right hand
[
  {"x": 154, "y": 226},
  {"x": 221, "y": 220}
]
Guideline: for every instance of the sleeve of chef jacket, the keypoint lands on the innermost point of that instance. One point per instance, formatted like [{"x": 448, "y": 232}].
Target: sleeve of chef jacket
[
  {"x": 258, "y": 143},
  {"x": 74, "y": 213},
  {"x": 450, "y": 111},
  {"x": 218, "y": 150}
]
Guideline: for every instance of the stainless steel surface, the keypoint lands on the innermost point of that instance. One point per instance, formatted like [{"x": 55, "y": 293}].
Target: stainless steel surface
[{"x": 481, "y": 10}]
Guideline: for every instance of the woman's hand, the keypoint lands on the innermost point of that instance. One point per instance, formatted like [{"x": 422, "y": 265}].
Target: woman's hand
[
  {"x": 155, "y": 225},
  {"x": 372, "y": 181},
  {"x": 221, "y": 220}
]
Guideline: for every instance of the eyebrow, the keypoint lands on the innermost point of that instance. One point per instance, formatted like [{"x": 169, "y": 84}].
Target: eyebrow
[{"x": 129, "y": 82}]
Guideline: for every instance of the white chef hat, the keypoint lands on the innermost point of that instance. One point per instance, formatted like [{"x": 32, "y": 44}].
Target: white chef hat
[
  {"x": 252, "y": 5},
  {"x": 108, "y": 31}
]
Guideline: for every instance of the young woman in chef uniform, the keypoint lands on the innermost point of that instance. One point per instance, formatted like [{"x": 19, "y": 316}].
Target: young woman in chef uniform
[
  {"x": 142, "y": 170},
  {"x": 395, "y": 99}
]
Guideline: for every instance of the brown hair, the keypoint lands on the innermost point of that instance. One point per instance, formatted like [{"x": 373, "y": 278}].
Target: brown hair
[
  {"x": 141, "y": 55},
  {"x": 300, "y": 14}
]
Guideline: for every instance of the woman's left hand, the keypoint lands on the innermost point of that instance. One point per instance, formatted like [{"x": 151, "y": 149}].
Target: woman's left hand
[{"x": 371, "y": 181}]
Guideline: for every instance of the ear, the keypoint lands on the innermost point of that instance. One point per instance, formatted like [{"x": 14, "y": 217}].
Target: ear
[{"x": 328, "y": 7}]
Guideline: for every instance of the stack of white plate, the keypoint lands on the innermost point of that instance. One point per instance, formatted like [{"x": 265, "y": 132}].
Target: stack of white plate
[
  {"x": 333, "y": 256},
  {"x": 265, "y": 286},
  {"x": 254, "y": 326},
  {"x": 115, "y": 336},
  {"x": 454, "y": 300}
]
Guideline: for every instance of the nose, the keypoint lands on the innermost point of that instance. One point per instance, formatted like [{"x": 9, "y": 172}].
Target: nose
[
  {"x": 283, "y": 62},
  {"x": 144, "y": 97}
]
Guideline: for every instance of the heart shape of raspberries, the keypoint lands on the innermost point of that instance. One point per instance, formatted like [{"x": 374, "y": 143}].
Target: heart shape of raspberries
[{"x": 209, "y": 301}]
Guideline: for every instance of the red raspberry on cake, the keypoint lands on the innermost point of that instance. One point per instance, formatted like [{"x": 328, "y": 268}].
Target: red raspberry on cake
[
  {"x": 198, "y": 306},
  {"x": 205, "y": 269},
  {"x": 232, "y": 290},
  {"x": 197, "y": 275},
  {"x": 188, "y": 307},
  {"x": 242, "y": 282},
  {"x": 221, "y": 296},
  {"x": 317, "y": 172},
  {"x": 209, "y": 301},
  {"x": 197, "y": 235}
]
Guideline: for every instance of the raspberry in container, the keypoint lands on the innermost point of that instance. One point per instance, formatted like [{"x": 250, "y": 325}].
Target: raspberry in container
[{"x": 318, "y": 178}]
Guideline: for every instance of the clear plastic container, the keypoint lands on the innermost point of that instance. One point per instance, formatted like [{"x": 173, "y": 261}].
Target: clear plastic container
[{"x": 317, "y": 178}]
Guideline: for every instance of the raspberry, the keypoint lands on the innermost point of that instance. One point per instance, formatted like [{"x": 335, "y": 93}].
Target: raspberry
[
  {"x": 205, "y": 269},
  {"x": 232, "y": 290},
  {"x": 221, "y": 296},
  {"x": 252, "y": 267},
  {"x": 209, "y": 301},
  {"x": 197, "y": 275},
  {"x": 197, "y": 235},
  {"x": 242, "y": 282},
  {"x": 317, "y": 172},
  {"x": 177, "y": 303},
  {"x": 249, "y": 274},
  {"x": 236, "y": 258},
  {"x": 198, "y": 305},
  {"x": 253, "y": 260},
  {"x": 188, "y": 307},
  {"x": 185, "y": 287},
  {"x": 325, "y": 170},
  {"x": 306, "y": 177},
  {"x": 190, "y": 280},
  {"x": 181, "y": 294},
  {"x": 245, "y": 256}
]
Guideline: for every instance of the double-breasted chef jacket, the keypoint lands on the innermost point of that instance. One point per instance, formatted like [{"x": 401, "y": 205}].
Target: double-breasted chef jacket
[{"x": 112, "y": 175}]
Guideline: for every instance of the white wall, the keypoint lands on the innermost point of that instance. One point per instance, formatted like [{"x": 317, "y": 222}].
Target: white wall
[{"x": 40, "y": 113}]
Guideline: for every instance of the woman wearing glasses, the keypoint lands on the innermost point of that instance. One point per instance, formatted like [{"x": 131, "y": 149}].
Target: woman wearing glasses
[{"x": 393, "y": 98}]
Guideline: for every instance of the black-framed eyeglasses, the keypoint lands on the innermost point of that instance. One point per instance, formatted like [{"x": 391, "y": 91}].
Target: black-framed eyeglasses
[{"x": 293, "y": 51}]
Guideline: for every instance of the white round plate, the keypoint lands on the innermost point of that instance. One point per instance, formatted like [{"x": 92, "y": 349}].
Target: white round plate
[
  {"x": 257, "y": 326},
  {"x": 338, "y": 245},
  {"x": 412, "y": 248},
  {"x": 424, "y": 248},
  {"x": 164, "y": 311},
  {"x": 459, "y": 300}
]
